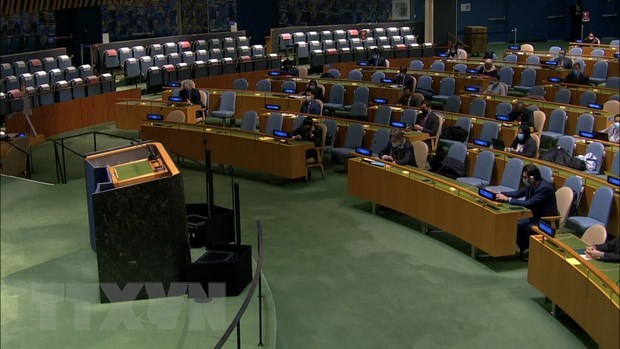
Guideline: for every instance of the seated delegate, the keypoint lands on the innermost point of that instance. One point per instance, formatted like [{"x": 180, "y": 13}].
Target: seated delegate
[
  {"x": 576, "y": 76},
  {"x": 522, "y": 115},
  {"x": 190, "y": 94},
  {"x": 426, "y": 120},
  {"x": 308, "y": 132},
  {"x": 496, "y": 87},
  {"x": 399, "y": 150},
  {"x": 523, "y": 144},
  {"x": 310, "y": 106},
  {"x": 376, "y": 60},
  {"x": 563, "y": 61},
  {"x": 488, "y": 68},
  {"x": 318, "y": 91},
  {"x": 613, "y": 130},
  {"x": 607, "y": 252},
  {"x": 402, "y": 78},
  {"x": 539, "y": 198}
]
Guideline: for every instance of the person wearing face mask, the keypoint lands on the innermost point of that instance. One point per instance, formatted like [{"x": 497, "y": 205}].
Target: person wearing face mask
[
  {"x": 496, "y": 87},
  {"x": 426, "y": 120},
  {"x": 318, "y": 92},
  {"x": 307, "y": 132},
  {"x": 613, "y": 131},
  {"x": 576, "y": 76},
  {"x": 488, "y": 68},
  {"x": 402, "y": 78},
  {"x": 539, "y": 198},
  {"x": 399, "y": 150},
  {"x": 310, "y": 106},
  {"x": 523, "y": 144},
  {"x": 563, "y": 61},
  {"x": 591, "y": 39},
  {"x": 457, "y": 53},
  {"x": 376, "y": 60},
  {"x": 522, "y": 115}
]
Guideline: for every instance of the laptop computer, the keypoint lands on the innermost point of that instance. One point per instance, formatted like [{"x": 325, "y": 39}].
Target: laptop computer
[{"x": 498, "y": 144}]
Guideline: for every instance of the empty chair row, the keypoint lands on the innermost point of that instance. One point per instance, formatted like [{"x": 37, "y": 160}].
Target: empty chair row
[
  {"x": 288, "y": 39},
  {"x": 112, "y": 60},
  {"x": 34, "y": 65},
  {"x": 61, "y": 91},
  {"x": 50, "y": 78}
]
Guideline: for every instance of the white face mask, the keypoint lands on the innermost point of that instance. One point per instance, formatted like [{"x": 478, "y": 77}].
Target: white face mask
[
  {"x": 617, "y": 124},
  {"x": 526, "y": 182},
  {"x": 396, "y": 145},
  {"x": 308, "y": 98}
]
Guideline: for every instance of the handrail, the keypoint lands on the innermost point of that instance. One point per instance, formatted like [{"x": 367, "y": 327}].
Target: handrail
[
  {"x": 559, "y": 243},
  {"x": 248, "y": 298}
]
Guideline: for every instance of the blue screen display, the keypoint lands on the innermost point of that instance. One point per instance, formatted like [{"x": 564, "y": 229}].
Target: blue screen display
[
  {"x": 174, "y": 84},
  {"x": 482, "y": 143},
  {"x": 278, "y": 133},
  {"x": 362, "y": 64},
  {"x": 472, "y": 88},
  {"x": 175, "y": 99},
  {"x": 398, "y": 124},
  {"x": 272, "y": 107},
  {"x": 274, "y": 73},
  {"x": 595, "y": 106},
  {"x": 514, "y": 47},
  {"x": 613, "y": 181},
  {"x": 380, "y": 100},
  {"x": 554, "y": 79},
  {"x": 155, "y": 117},
  {"x": 553, "y": 63},
  {"x": 502, "y": 117},
  {"x": 486, "y": 194},
  {"x": 586, "y": 134},
  {"x": 472, "y": 71},
  {"x": 546, "y": 228},
  {"x": 288, "y": 90},
  {"x": 387, "y": 81},
  {"x": 363, "y": 151}
]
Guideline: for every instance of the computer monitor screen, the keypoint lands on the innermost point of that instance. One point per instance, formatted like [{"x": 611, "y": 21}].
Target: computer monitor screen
[
  {"x": 363, "y": 151},
  {"x": 380, "y": 101},
  {"x": 502, "y": 117},
  {"x": 280, "y": 134},
  {"x": 472, "y": 88},
  {"x": 398, "y": 124},
  {"x": 487, "y": 194},
  {"x": 272, "y": 107},
  {"x": 546, "y": 228},
  {"x": 482, "y": 143},
  {"x": 175, "y": 99},
  {"x": 586, "y": 134},
  {"x": 154, "y": 117}
]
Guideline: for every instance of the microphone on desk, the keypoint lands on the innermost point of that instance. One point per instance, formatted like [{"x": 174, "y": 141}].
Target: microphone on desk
[{"x": 151, "y": 155}]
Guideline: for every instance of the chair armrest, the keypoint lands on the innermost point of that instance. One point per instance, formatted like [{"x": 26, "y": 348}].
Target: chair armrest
[{"x": 554, "y": 220}]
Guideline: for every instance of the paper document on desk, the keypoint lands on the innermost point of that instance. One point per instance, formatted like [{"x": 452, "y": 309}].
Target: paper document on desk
[
  {"x": 586, "y": 257},
  {"x": 573, "y": 261}
]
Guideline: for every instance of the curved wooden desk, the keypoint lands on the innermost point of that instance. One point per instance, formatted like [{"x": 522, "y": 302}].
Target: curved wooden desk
[
  {"x": 587, "y": 290},
  {"x": 433, "y": 199}
]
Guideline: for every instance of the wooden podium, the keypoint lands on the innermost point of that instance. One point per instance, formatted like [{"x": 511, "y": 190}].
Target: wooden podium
[
  {"x": 476, "y": 38},
  {"x": 137, "y": 219}
]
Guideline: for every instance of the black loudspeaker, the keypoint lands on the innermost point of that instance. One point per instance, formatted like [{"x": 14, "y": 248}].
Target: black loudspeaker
[{"x": 222, "y": 263}]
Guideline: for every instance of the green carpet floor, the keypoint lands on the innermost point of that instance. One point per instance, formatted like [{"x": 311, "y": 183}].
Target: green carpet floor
[{"x": 339, "y": 276}]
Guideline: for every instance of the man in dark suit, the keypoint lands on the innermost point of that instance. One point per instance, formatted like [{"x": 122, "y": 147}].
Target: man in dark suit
[
  {"x": 402, "y": 78},
  {"x": 539, "y": 198},
  {"x": 427, "y": 121},
  {"x": 563, "y": 61},
  {"x": 376, "y": 60},
  {"x": 522, "y": 115},
  {"x": 310, "y": 106},
  {"x": 190, "y": 94},
  {"x": 607, "y": 252},
  {"x": 576, "y": 76},
  {"x": 399, "y": 150}
]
